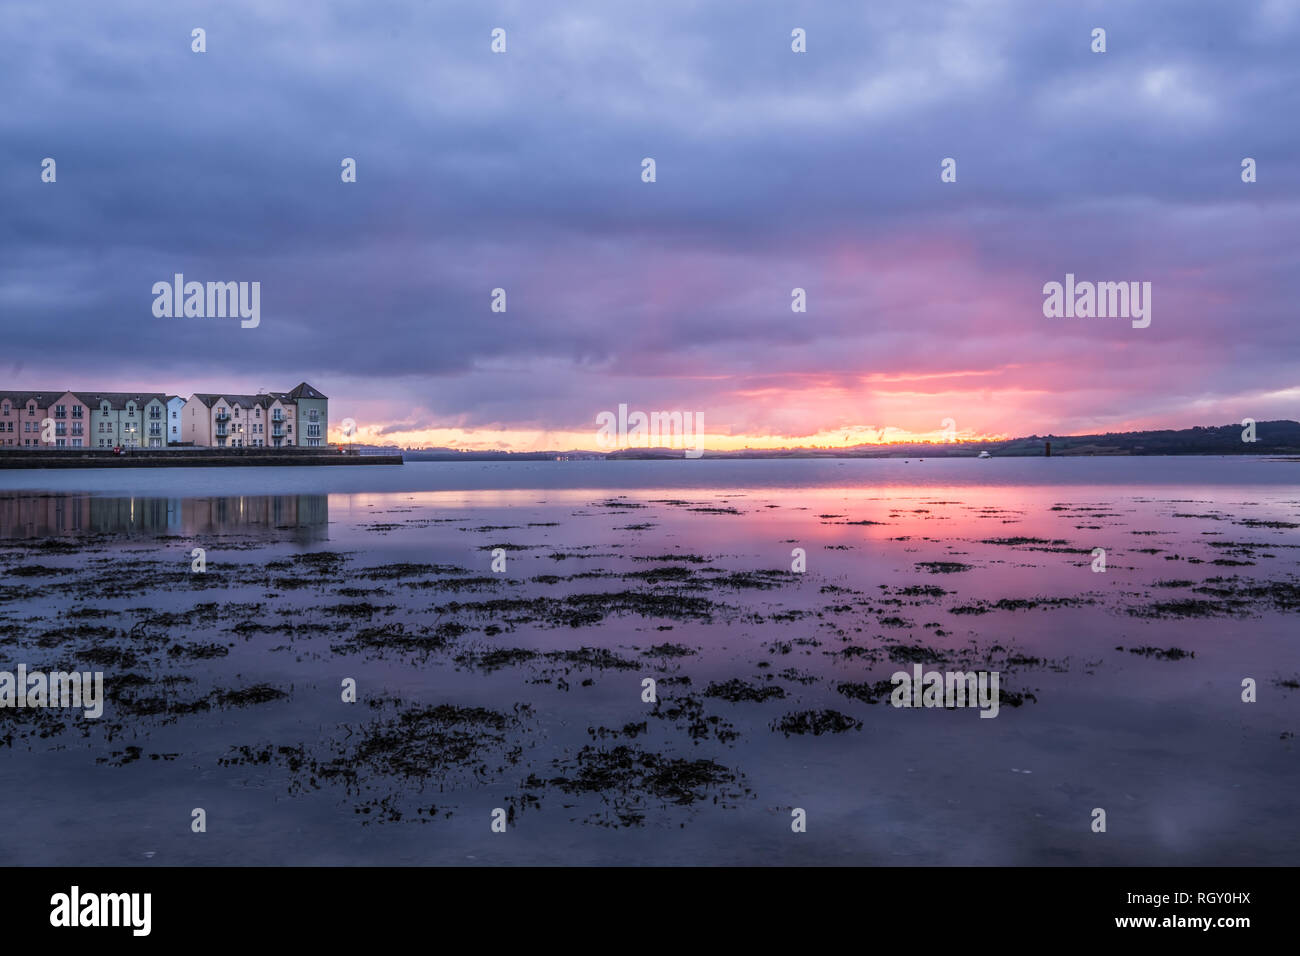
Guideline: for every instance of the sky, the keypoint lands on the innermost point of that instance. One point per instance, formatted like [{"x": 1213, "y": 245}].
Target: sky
[{"x": 774, "y": 170}]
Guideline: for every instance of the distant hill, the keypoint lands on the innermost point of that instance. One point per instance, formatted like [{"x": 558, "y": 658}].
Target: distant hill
[
  {"x": 1272, "y": 438},
  {"x": 460, "y": 454}
]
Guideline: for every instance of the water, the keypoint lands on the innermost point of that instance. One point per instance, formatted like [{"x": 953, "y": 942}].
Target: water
[
  {"x": 1131, "y": 677},
  {"x": 729, "y": 474}
]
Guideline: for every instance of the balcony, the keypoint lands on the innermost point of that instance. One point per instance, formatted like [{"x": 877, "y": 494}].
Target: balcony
[
  {"x": 223, "y": 416},
  {"x": 221, "y": 431}
]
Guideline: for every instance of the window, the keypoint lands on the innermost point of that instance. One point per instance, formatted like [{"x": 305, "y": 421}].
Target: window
[
  {"x": 31, "y": 409},
  {"x": 236, "y": 411},
  {"x": 6, "y": 409},
  {"x": 313, "y": 415},
  {"x": 76, "y": 443},
  {"x": 173, "y": 414},
  {"x": 313, "y": 431},
  {"x": 76, "y": 429},
  {"x": 76, "y": 411},
  {"x": 60, "y": 411},
  {"x": 27, "y": 426},
  {"x": 257, "y": 413}
]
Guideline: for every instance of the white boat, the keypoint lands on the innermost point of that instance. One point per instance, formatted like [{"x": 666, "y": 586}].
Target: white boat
[{"x": 985, "y": 454}]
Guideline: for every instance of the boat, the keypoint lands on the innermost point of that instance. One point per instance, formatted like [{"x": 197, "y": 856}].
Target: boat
[{"x": 985, "y": 454}]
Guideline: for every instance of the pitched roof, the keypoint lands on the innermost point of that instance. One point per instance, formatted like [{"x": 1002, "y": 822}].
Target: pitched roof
[
  {"x": 43, "y": 399},
  {"x": 306, "y": 391},
  {"x": 119, "y": 399},
  {"x": 230, "y": 398}
]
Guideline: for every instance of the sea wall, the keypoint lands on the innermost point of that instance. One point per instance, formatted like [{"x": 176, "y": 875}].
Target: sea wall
[{"x": 184, "y": 457}]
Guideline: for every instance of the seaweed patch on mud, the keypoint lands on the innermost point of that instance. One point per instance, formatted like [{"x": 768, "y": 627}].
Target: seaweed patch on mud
[
  {"x": 383, "y": 765},
  {"x": 943, "y": 567},
  {"x": 630, "y": 782},
  {"x": 816, "y": 723}
]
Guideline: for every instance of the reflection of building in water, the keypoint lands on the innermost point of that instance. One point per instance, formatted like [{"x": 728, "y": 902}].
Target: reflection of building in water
[
  {"x": 248, "y": 512},
  {"x": 27, "y": 515},
  {"x": 291, "y": 517}
]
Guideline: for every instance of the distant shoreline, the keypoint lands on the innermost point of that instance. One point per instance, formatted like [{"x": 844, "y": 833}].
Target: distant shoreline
[{"x": 1258, "y": 440}]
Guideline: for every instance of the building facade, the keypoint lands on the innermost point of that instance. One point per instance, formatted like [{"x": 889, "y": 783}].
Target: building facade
[
  {"x": 35, "y": 419},
  {"x": 175, "y": 404},
  {"x": 43, "y": 420},
  {"x": 299, "y": 418},
  {"x": 125, "y": 419}
]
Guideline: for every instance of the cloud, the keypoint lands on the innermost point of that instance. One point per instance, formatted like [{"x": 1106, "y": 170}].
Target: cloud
[{"x": 775, "y": 170}]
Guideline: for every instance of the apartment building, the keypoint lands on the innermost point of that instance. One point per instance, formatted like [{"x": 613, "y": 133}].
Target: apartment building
[
  {"x": 227, "y": 421},
  {"x": 312, "y": 413},
  {"x": 18, "y": 412},
  {"x": 34, "y": 419},
  {"x": 125, "y": 419},
  {"x": 175, "y": 404},
  {"x": 298, "y": 418},
  {"x": 42, "y": 420}
]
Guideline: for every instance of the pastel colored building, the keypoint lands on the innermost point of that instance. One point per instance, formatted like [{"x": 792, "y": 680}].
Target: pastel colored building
[
  {"x": 173, "y": 430},
  {"x": 42, "y": 420},
  {"x": 22, "y": 415},
  {"x": 88, "y": 419},
  {"x": 126, "y": 419},
  {"x": 312, "y": 415},
  {"x": 226, "y": 421},
  {"x": 284, "y": 416}
]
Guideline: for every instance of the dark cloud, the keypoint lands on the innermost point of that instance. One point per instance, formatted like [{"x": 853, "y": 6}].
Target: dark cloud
[{"x": 775, "y": 170}]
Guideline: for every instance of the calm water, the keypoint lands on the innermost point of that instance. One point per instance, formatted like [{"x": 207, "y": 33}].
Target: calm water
[
  {"x": 706, "y": 474},
  {"x": 905, "y": 560}
]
